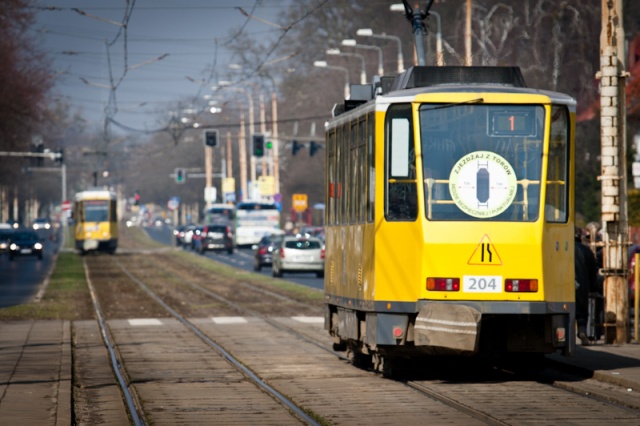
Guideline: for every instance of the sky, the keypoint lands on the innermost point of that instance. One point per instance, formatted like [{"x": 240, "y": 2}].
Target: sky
[{"x": 169, "y": 43}]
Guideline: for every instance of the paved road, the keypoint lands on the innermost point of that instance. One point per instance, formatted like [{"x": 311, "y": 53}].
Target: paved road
[
  {"x": 241, "y": 259},
  {"x": 21, "y": 278}
]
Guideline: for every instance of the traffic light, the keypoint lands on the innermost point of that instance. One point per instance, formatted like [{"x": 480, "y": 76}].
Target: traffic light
[
  {"x": 297, "y": 146},
  {"x": 313, "y": 148},
  {"x": 211, "y": 138},
  {"x": 180, "y": 175},
  {"x": 59, "y": 157},
  {"x": 258, "y": 145}
]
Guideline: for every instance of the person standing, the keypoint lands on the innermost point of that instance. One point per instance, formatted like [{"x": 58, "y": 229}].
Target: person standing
[{"x": 586, "y": 270}]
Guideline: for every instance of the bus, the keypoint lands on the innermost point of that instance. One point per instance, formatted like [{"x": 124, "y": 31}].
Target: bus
[
  {"x": 255, "y": 219},
  {"x": 96, "y": 221},
  {"x": 220, "y": 214}
]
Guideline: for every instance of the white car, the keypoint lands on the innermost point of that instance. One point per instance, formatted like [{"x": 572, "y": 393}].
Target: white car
[{"x": 298, "y": 254}]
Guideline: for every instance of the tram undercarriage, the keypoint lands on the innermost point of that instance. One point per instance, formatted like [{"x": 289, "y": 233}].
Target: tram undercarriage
[{"x": 379, "y": 340}]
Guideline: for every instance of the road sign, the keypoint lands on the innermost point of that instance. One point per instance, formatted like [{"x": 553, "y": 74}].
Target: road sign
[
  {"x": 210, "y": 194},
  {"x": 299, "y": 202},
  {"x": 266, "y": 184},
  {"x": 173, "y": 203},
  {"x": 66, "y": 206}
]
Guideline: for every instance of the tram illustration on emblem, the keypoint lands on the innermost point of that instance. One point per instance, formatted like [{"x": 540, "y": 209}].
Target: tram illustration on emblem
[{"x": 483, "y": 184}]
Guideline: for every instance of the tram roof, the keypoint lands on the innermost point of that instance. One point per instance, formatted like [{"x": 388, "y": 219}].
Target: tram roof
[
  {"x": 95, "y": 194},
  {"x": 427, "y": 79}
]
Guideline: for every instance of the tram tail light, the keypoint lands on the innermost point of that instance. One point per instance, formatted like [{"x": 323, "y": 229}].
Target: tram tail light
[
  {"x": 322, "y": 254},
  {"x": 443, "y": 284},
  {"x": 520, "y": 286}
]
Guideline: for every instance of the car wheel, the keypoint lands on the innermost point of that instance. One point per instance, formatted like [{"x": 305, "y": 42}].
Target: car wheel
[
  {"x": 257, "y": 266},
  {"x": 320, "y": 274},
  {"x": 230, "y": 250},
  {"x": 40, "y": 256},
  {"x": 11, "y": 257}
]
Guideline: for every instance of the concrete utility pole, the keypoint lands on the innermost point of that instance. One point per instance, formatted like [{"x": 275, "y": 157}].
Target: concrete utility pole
[{"x": 614, "y": 177}]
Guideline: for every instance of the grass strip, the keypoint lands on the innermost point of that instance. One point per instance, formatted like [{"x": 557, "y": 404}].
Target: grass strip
[{"x": 67, "y": 296}]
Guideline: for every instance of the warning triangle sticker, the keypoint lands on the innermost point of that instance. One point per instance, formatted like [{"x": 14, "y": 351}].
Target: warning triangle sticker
[{"x": 485, "y": 253}]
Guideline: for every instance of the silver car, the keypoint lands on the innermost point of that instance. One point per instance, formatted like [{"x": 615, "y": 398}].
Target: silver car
[{"x": 298, "y": 254}]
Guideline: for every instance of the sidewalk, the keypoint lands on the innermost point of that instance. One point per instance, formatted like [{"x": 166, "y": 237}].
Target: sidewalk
[
  {"x": 35, "y": 370},
  {"x": 615, "y": 364},
  {"x": 35, "y": 373}
]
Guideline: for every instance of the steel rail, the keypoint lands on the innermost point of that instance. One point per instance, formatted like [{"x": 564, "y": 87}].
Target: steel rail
[
  {"x": 133, "y": 407},
  {"x": 250, "y": 374}
]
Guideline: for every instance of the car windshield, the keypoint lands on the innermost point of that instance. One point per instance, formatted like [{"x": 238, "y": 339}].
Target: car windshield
[
  {"x": 302, "y": 244},
  {"x": 25, "y": 236}
]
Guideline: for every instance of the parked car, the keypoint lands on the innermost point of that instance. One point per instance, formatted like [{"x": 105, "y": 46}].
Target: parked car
[
  {"x": 298, "y": 254},
  {"x": 195, "y": 236},
  {"x": 25, "y": 243},
  {"x": 214, "y": 237},
  {"x": 187, "y": 236},
  {"x": 263, "y": 251},
  {"x": 178, "y": 234}
]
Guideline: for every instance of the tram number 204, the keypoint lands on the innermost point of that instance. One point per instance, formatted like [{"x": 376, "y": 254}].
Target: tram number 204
[{"x": 482, "y": 284}]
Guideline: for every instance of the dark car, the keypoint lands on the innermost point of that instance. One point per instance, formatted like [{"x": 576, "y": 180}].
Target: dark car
[
  {"x": 25, "y": 243},
  {"x": 263, "y": 251},
  {"x": 214, "y": 237}
]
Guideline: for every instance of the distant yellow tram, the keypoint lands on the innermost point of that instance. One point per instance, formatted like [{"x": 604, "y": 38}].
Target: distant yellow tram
[
  {"x": 96, "y": 221},
  {"x": 449, "y": 219}
]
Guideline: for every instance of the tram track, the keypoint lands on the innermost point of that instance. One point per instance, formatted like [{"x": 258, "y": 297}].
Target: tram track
[{"x": 161, "y": 273}]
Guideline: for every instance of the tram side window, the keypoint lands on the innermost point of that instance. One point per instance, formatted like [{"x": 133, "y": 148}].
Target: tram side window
[
  {"x": 362, "y": 184},
  {"x": 371, "y": 167},
  {"x": 331, "y": 178},
  {"x": 338, "y": 182},
  {"x": 353, "y": 174},
  {"x": 401, "y": 193},
  {"x": 556, "y": 201}
]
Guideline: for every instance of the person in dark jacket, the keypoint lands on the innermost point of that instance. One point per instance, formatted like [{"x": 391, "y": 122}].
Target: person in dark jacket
[{"x": 586, "y": 269}]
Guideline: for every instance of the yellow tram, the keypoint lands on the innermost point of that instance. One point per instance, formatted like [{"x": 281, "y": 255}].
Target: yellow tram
[
  {"x": 96, "y": 221},
  {"x": 449, "y": 220}
]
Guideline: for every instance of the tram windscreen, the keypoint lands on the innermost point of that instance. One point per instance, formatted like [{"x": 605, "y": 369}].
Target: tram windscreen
[
  {"x": 96, "y": 211},
  {"x": 482, "y": 162}
]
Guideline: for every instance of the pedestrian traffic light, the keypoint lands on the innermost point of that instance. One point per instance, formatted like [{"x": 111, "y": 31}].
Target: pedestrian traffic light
[
  {"x": 297, "y": 146},
  {"x": 313, "y": 148},
  {"x": 258, "y": 145},
  {"x": 180, "y": 175},
  {"x": 211, "y": 138}
]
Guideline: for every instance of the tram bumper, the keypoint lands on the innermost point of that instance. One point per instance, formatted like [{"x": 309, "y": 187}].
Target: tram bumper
[{"x": 448, "y": 326}]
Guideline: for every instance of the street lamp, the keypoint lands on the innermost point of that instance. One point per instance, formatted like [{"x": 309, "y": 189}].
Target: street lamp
[
  {"x": 323, "y": 64},
  {"x": 243, "y": 138},
  {"x": 353, "y": 43},
  {"x": 363, "y": 72},
  {"x": 368, "y": 32}
]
